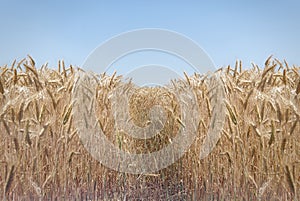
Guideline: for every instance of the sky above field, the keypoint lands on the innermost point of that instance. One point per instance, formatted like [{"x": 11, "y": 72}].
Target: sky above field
[{"x": 226, "y": 30}]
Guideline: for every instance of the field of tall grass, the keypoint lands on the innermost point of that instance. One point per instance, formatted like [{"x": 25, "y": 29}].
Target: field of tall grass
[{"x": 256, "y": 158}]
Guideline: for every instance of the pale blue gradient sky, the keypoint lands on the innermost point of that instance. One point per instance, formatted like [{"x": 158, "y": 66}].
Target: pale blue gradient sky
[{"x": 226, "y": 30}]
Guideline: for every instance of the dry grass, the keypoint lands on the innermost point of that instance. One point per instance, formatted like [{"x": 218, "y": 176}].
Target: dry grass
[{"x": 257, "y": 157}]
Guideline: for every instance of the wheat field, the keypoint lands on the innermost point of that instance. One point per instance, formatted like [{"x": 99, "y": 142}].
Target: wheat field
[{"x": 256, "y": 158}]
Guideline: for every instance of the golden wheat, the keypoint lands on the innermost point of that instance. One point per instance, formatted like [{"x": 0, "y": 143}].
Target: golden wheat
[{"x": 257, "y": 156}]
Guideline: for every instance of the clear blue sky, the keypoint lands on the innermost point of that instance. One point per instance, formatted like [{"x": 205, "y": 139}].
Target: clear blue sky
[{"x": 226, "y": 30}]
